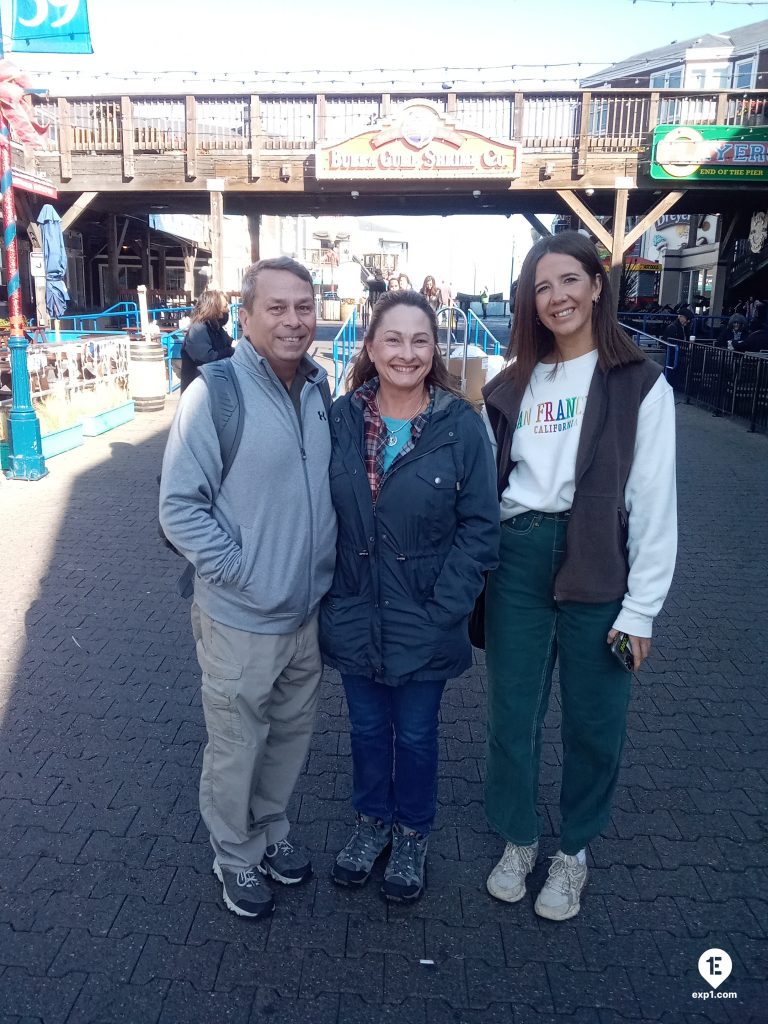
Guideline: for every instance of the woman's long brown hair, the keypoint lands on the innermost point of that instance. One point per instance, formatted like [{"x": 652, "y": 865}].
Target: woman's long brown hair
[{"x": 531, "y": 341}]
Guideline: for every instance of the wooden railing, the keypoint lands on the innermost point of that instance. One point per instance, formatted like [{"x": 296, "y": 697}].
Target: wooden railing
[{"x": 605, "y": 119}]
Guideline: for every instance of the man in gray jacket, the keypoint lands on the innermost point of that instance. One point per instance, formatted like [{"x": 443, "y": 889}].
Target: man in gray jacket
[{"x": 262, "y": 542}]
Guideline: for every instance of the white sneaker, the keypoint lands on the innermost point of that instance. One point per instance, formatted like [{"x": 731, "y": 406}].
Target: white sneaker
[
  {"x": 507, "y": 880},
  {"x": 559, "y": 899}
]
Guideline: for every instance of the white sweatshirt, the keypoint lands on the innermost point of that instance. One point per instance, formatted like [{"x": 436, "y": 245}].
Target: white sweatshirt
[{"x": 544, "y": 448}]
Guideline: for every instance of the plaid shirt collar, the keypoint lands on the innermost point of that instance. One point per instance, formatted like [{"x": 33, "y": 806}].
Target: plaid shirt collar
[{"x": 375, "y": 432}]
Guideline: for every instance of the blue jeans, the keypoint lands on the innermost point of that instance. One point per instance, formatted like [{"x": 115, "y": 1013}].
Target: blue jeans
[{"x": 394, "y": 749}]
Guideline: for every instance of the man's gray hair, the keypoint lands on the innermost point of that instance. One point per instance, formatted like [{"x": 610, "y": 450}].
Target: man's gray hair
[{"x": 248, "y": 290}]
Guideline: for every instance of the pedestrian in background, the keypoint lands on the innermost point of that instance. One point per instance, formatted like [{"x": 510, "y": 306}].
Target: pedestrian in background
[
  {"x": 262, "y": 542},
  {"x": 484, "y": 296},
  {"x": 432, "y": 293},
  {"x": 405, "y": 283},
  {"x": 584, "y": 426},
  {"x": 205, "y": 340},
  {"x": 413, "y": 487},
  {"x": 393, "y": 284}
]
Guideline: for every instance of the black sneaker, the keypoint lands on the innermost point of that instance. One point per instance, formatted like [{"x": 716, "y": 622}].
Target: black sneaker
[
  {"x": 244, "y": 892},
  {"x": 286, "y": 863},
  {"x": 353, "y": 864},
  {"x": 406, "y": 876}
]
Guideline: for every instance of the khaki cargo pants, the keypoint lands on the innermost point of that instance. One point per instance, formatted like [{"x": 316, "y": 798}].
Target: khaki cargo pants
[{"x": 259, "y": 698}]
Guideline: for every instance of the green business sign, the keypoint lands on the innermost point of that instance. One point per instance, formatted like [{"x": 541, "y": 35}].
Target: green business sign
[{"x": 710, "y": 153}]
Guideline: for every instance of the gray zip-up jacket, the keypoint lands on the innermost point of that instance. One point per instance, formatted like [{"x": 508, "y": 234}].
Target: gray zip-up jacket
[{"x": 263, "y": 541}]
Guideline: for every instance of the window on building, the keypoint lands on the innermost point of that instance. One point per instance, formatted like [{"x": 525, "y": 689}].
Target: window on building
[
  {"x": 710, "y": 76},
  {"x": 744, "y": 74},
  {"x": 672, "y": 78}
]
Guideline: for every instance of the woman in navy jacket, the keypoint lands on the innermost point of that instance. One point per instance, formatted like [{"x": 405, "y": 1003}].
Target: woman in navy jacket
[{"x": 412, "y": 481}]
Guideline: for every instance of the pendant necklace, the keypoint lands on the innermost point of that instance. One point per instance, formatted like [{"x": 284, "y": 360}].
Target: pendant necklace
[{"x": 392, "y": 439}]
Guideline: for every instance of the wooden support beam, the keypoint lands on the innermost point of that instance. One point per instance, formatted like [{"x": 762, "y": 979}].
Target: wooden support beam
[
  {"x": 126, "y": 136},
  {"x": 113, "y": 247},
  {"x": 146, "y": 257},
  {"x": 517, "y": 117},
  {"x": 581, "y": 151},
  {"x": 320, "y": 119},
  {"x": 65, "y": 139},
  {"x": 254, "y": 231},
  {"x": 536, "y": 224},
  {"x": 618, "y": 246},
  {"x": 573, "y": 202},
  {"x": 217, "y": 239},
  {"x": 254, "y": 132},
  {"x": 650, "y": 218},
  {"x": 451, "y": 106},
  {"x": 189, "y": 250},
  {"x": 190, "y": 128},
  {"x": 81, "y": 203}
]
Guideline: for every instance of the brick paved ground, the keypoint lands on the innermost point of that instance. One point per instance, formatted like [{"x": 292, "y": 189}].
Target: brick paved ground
[{"x": 108, "y": 911}]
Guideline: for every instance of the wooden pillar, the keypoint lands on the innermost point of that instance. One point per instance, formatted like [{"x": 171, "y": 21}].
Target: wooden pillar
[
  {"x": 113, "y": 281},
  {"x": 617, "y": 241},
  {"x": 126, "y": 137},
  {"x": 217, "y": 235},
  {"x": 65, "y": 139},
  {"x": 190, "y": 256},
  {"x": 162, "y": 267},
  {"x": 190, "y": 138},
  {"x": 254, "y": 230},
  {"x": 146, "y": 258}
]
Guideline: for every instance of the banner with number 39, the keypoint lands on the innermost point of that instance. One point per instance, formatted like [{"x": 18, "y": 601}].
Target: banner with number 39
[{"x": 51, "y": 26}]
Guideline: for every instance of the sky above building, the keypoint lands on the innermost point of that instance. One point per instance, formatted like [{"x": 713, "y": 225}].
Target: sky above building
[{"x": 232, "y": 46}]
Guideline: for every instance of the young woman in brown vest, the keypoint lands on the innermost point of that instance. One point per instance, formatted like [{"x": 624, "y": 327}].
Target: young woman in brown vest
[{"x": 584, "y": 430}]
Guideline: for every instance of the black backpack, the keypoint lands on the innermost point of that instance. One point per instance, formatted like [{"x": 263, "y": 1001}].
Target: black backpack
[{"x": 227, "y": 414}]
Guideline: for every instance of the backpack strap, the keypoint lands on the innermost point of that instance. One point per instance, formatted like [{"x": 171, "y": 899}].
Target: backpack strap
[
  {"x": 325, "y": 391},
  {"x": 226, "y": 408}
]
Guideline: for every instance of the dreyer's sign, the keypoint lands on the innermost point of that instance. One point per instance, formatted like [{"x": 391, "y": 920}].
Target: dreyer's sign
[
  {"x": 418, "y": 142},
  {"x": 710, "y": 153}
]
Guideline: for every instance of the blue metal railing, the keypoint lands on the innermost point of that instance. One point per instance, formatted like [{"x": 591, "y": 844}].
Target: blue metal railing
[
  {"x": 127, "y": 311},
  {"x": 478, "y": 334},
  {"x": 344, "y": 347}
]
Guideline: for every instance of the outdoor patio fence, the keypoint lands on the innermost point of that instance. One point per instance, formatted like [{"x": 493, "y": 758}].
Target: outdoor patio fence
[{"x": 726, "y": 382}]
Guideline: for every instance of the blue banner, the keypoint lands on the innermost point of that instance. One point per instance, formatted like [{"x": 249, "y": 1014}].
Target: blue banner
[{"x": 51, "y": 26}]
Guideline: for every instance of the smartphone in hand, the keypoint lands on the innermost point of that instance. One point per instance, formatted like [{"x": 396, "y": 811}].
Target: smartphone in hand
[{"x": 621, "y": 649}]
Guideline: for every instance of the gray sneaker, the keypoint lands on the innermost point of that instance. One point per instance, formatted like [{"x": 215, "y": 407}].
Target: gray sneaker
[
  {"x": 406, "y": 875},
  {"x": 286, "y": 862},
  {"x": 244, "y": 892},
  {"x": 353, "y": 864},
  {"x": 507, "y": 880},
  {"x": 560, "y": 898}
]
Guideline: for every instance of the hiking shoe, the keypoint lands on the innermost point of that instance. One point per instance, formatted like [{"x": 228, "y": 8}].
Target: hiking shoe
[
  {"x": 244, "y": 892},
  {"x": 355, "y": 862},
  {"x": 286, "y": 863},
  {"x": 559, "y": 899},
  {"x": 405, "y": 874},
  {"x": 507, "y": 880}
]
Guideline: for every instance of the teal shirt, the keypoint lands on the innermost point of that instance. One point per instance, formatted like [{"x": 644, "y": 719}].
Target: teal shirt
[{"x": 403, "y": 436}]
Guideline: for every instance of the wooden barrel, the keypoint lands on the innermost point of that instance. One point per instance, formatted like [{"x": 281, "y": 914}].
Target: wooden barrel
[{"x": 147, "y": 374}]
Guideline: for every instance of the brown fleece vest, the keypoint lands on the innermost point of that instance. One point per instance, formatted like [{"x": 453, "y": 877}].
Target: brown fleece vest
[{"x": 595, "y": 566}]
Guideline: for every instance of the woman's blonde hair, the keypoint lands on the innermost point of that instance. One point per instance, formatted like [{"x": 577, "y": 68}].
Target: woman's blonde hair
[{"x": 211, "y": 305}]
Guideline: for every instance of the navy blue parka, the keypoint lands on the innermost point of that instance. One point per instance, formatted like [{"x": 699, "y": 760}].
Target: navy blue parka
[{"x": 408, "y": 570}]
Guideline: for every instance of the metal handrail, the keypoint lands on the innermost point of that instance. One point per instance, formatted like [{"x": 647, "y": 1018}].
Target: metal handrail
[{"x": 344, "y": 346}]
